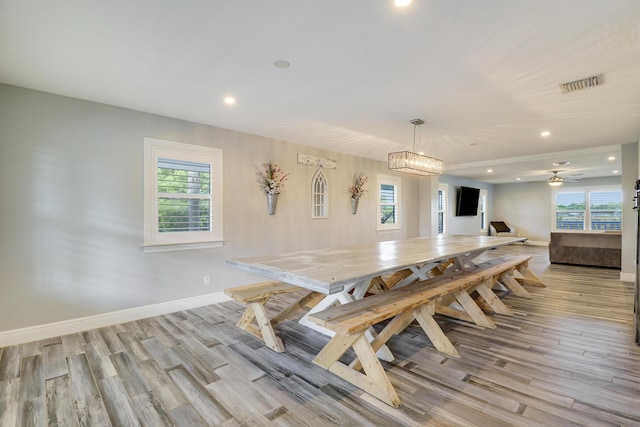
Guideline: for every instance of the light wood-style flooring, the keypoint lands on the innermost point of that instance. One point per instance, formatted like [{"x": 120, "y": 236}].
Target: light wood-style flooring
[{"x": 566, "y": 358}]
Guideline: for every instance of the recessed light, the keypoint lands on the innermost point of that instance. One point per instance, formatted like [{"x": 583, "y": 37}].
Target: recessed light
[
  {"x": 517, "y": 179},
  {"x": 402, "y": 3},
  {"x": 616, "y": 171},
  {"x": 545, "y": 133},
  {"x": 610, "y": 158},
  {"x": 281, "y": 63},
  {"x": 229, "y": 100},
  {"x": 489, "y": 170}
]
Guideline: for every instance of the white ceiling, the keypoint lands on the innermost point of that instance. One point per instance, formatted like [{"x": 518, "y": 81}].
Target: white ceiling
[{"x": 484, "y": 75}]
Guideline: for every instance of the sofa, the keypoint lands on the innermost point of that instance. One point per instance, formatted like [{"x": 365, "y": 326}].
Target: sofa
[{"x": 598, "y": 249}]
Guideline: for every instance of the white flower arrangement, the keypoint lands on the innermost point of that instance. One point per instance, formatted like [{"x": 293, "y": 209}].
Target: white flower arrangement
[{"x": 272, "y": 179}]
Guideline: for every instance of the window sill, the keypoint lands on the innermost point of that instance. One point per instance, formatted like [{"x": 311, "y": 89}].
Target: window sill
[{"x": 172, "y": 247}]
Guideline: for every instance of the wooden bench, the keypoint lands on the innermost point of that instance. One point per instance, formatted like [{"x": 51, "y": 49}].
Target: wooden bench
[
  {"x": 508, "y": 273},
  {"x": 416, "y": 301},
  {"x": 255, "y": 319}
]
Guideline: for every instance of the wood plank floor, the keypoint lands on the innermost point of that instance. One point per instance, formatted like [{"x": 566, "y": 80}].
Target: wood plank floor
[{"x": 566, "y": 358}]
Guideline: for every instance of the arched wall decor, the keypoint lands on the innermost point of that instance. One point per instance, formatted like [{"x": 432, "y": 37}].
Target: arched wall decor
[{"x": 319, "y": 195}]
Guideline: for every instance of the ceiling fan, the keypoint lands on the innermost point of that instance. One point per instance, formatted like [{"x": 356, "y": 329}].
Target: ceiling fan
[{"x": 556, "y": 180}]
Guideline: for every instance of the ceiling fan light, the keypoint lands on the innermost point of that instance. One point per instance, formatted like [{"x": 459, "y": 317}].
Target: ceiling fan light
[{"x": 555, "y": 183}]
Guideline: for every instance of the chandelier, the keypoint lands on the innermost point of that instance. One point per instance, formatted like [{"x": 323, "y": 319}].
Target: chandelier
[{"x": 412, "y": 162}]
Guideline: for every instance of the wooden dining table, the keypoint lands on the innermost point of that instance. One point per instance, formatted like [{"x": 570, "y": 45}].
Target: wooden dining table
[{"x": 343, "y": 274}]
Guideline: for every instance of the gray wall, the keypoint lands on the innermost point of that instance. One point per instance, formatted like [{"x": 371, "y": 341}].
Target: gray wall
[
  {"x": 464, "y": 225},
  {"x": 629, "y": 224},
  {"x": 71, "y": 213}
]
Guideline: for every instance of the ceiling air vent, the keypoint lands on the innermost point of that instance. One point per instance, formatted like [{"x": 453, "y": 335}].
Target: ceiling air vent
[{"x": 581, "y": 84}]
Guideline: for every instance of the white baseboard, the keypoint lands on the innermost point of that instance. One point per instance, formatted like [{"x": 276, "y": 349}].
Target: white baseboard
[
  {"x": 535, "y": 243},
  {"x": 72, "y": 326},
  {"x": 627, "y": 277}
]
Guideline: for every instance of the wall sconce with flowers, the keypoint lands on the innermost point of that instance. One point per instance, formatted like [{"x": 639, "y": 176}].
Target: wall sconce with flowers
[
  {"x": 271, "y": 181},
  {"x": 357, "y": 190}
]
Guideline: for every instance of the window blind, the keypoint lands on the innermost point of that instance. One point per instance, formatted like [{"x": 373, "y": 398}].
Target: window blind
[{"x": 184, "y": 196}]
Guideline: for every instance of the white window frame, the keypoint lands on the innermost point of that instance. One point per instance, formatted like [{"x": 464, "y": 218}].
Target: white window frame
[
  {"x": 319, "y": 195},
  {"x": 442, "y": 210},
  {"x": 482, "y": 208},
  {"x": 587, "y": 214},
  {"x": 154, "y": 241},
  {"x": 397, "y": 183}
]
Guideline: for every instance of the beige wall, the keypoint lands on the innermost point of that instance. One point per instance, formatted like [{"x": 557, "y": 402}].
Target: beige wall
[
  {"x": 71, "y": 213},
  {"x": 526, "y": 206}
]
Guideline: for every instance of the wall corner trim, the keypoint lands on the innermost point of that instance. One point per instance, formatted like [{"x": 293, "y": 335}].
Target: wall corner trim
[
  {"x": 627, "y": 277},
  {"x": 71, "y": 326}
]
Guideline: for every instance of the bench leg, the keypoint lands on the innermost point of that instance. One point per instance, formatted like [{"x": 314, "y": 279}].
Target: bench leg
[
  {"x": 269, "y": 336},
  {"x": 343, "y": 298},
  {"x": 374, "y": 380},
  {"x": 424, "y": 316},
  {"x": 394, "y": 327},
  {"x": 528, "y": 277},
  {"x": 514, "y": 286},
  {"x": 334, "y": 349},
  {"x": 441, "y": 268},
  {"x": 472, "y": 309},
  {"x": 358, "y": 293},
  {"x": 492, "y": 300},
  {"x": 263, "y": 329},
  {"x": 452, "y": 312},
  {"x": 247, "y": 317},
  {"x": 284, "y": 314}
]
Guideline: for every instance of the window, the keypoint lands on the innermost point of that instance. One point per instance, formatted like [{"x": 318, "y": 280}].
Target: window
[
  {"x": 483, "y": 211},
  {"x": 319, "y": 196},
  {"x": 588, "y": 209},
  {"x": 571, "y": 210},
  {"x": 605, "y": 208},
  {"x": 388, "y": 202},
  {"x": 183, "y": 196},
  {"x": 443, "y": 190}
]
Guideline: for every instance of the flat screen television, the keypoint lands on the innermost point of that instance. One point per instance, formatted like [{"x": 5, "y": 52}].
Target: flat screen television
[{"x": 467, "y": 201}]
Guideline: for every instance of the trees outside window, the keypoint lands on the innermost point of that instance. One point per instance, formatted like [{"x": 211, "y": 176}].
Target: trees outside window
[{"x": 182, "y": 196}]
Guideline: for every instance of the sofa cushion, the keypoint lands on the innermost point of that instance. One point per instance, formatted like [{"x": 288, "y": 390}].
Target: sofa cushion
[{"x": 500, "y": 227}]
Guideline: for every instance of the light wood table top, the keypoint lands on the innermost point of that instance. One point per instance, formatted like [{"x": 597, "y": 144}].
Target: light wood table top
[{"x": 329, "y": 270}]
